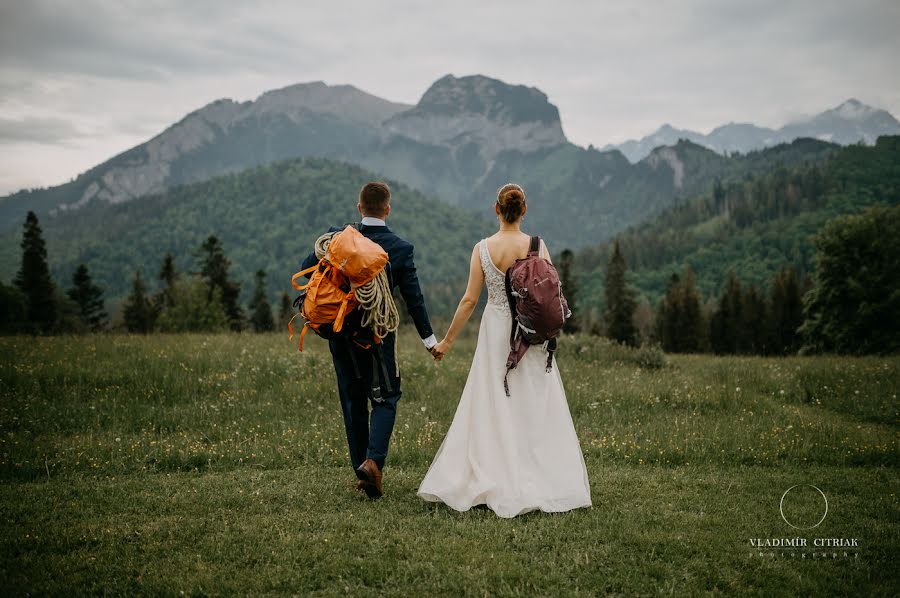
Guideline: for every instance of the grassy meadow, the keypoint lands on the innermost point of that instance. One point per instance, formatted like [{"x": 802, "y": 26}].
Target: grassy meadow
[{"x": 217, "y": 464}]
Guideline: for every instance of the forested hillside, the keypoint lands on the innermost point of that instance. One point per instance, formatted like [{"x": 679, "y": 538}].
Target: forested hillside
[
  {"x": 266, "y": 218},
  {"x": 753, "y": 225}
]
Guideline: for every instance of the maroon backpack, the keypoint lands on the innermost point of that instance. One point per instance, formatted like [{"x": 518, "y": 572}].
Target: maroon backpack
[{"x": 537, "y": 306}]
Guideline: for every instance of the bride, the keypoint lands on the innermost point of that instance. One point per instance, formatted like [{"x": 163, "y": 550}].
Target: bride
[{"x": 514, "y": 453}]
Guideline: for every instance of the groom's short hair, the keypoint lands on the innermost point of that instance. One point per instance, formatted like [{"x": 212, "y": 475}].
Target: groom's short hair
[{"x": 374, "y": 198}]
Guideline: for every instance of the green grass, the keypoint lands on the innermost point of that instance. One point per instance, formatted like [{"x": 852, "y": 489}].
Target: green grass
[{"x": 217, "y": 465}]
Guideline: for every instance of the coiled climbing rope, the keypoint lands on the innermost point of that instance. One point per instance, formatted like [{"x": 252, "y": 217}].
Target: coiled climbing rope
[{"x": 375, "y": 298}]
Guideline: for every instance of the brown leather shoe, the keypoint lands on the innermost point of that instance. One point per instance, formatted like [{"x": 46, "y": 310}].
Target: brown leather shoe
[
  {"x": 372, "y": 482},
  {"x": 360, "y": 485}
]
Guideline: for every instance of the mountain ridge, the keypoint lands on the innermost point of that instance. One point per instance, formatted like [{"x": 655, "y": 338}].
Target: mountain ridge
[
  {"x": 845, "y": 124},
  {"x": 464, "y": 138}
]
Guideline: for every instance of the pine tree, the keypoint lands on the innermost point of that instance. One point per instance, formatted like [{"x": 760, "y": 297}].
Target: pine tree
[
  {"x": 214, "y": 268},
  {"x": 689, "y": 324},
  {"x": 620, "y": 301},
  {"x": 89, "y": 299},
  {"x": 168, "y": 274},
  {"x": 569, "y": 288},
  {"x": 726, "y": 329},
  {"x": 33, "y": 278},
  {"x": 261, "y": 311},
  {"x": 680, "y": 324},
  {"x": 668, "y": 313},
  {"x": 286, "y": 311},
  {"x": 786, "y": 312},
  {"x": 139, "y": 312},
  {"x": 754, "y": 322}
]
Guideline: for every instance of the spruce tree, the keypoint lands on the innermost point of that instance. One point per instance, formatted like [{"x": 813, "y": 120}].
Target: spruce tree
[
  {"x": 261, "y": 311},
  {"x": 668, "y": 314},
  {"x": 786, "y": 311},
  {"x": 33, "y": 279},
  {"x": 620, "y": 301},
  {"x": 168, "y": 274},
  {"x": 689, "y": 324},
  {"x": 726, "y": 327},
  {"x": 89, "y": 299},
  {"x": 214, "y": 268},
  {"x": 754, "y": 322},
  {"x": 569, "y": 288},
  {"x": 139, "y": 312},
  {"x": 680, "y": 322}
]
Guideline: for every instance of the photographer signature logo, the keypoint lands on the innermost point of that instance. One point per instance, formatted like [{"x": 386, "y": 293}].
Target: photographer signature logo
[
  {"x": 804, "y": 507},
  {"x": 797, "y": 522}
]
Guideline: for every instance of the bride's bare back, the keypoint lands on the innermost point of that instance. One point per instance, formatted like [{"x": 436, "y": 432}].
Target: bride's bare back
[{"x": 507, "y": 247}]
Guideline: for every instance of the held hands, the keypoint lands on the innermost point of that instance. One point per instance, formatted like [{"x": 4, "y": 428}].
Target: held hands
[{"x": 442, "y": 348}]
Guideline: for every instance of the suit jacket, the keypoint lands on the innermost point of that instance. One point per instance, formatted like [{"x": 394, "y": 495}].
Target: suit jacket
[{"x": 401, "y": 272}]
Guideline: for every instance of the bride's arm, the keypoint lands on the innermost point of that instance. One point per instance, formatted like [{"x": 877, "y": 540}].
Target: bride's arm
[{"x": 466, "y": 304}]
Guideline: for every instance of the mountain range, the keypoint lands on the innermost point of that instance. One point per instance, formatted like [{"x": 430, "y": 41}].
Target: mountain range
[
  {"x": 267, "y": 176},
  {"x": 851, "y": 122},
  {"x": 465, "y": 138}
]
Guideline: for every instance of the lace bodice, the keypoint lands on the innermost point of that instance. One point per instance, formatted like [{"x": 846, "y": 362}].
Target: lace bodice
[{"x": 494, "y": 279}]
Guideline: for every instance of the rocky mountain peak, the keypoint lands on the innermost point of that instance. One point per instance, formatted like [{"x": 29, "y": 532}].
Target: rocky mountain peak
[
  {"x": 495, "y": 115},
  {"x": 497, "y": 101}
]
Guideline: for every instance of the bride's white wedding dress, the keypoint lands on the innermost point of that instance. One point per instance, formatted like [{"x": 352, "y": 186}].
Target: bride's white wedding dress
[{"x": 514, "y": 453}]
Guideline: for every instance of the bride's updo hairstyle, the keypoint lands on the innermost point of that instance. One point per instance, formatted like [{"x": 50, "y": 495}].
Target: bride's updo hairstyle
[{"x": 511, "y": 199}]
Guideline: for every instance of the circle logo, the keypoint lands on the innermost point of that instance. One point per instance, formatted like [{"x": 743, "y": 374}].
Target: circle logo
[{"x": 802, "y": 503}]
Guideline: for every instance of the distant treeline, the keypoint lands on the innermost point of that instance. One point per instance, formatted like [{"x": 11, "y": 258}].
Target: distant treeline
[
  {"x": 206, "y": 300},
  {"x": 849, "y": 304}
]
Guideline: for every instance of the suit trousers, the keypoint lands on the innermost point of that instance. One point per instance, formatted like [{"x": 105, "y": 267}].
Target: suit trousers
[{"x": 368, "y": 434}]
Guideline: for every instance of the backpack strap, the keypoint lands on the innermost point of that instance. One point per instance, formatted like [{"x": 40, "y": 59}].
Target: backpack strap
[
  {"x": 507, "y": 283},
  {"x": 302, "y": 332},
  {"x": 535, "y": 246},
  {"x": 301, "y": 273},
  {"x": 551, "y": 349},
  {"x": 339, "y": 319},
  {"x": 380, "y": 373}
]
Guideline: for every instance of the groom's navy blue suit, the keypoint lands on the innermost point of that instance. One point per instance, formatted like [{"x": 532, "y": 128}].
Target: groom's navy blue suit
[{"x": 369, "y": 440}]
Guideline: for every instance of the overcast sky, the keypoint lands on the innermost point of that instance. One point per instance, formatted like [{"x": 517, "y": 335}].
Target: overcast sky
[{"x": 82, "y": 81}]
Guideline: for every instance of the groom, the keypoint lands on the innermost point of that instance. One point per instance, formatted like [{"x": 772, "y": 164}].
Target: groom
[{"x": 368, "y": 437}]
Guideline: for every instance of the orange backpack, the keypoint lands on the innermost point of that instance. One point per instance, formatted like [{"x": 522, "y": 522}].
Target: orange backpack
[{"x": 350, "y": 261}]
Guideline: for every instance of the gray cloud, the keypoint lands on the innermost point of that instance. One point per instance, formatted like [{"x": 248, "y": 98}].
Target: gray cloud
[
  {"x": 120, "y": 70},
  {"x": 37, "y": 130}
]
